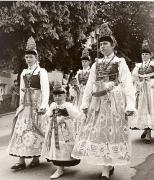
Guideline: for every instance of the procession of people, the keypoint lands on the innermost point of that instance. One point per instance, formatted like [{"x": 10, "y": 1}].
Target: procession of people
[{"x": 106, "y": 101}]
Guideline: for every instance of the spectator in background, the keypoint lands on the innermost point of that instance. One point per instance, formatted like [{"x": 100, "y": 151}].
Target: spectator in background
[
  {"x": 51, "y": 92},
  {"x": 15, "y": 95}
]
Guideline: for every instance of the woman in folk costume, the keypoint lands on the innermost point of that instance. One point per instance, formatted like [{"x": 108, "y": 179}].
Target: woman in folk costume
[
  {"x": 108, "y": 99},
  {"x": 74, "y": 91},
  {"x": 60, "y": 135},
  {"x": 143, "y": 76},
  {"x": 83, "y": 74},
  {"x": 27, "y": 138}
]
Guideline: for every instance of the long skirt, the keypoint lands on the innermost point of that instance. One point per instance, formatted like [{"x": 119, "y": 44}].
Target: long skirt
[
  {"x": 104, "y": 136},
  {"x": 59, "y": 143},
  {"x": 28, "y": 134},
  {"x": 82, "y": 88},
  {"x": 145, "y": 106}
]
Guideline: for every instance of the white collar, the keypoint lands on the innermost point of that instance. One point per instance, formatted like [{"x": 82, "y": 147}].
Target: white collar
[
  {"x": 86, "y": 68},
  {"x": 32, "y": 68},
  {"x": 110, "y": 56},
  {"x": 146, "y": 63}
]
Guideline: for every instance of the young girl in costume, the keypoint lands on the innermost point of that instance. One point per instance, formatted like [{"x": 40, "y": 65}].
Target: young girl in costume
[
  {"x": 27, "y": 137},
  {"x": 60, "y": 135}
]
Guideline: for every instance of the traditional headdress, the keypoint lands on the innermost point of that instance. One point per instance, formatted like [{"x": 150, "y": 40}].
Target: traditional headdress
[
  {"x": 58, "y": 88},
  {"x": 105, "y": 34},
  {"x": 31, "y": 46},
  {"x": 145, "y": 47},
  {"x": 85, "y": 55}
]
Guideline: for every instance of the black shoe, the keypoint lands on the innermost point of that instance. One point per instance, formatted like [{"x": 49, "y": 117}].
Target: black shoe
[
  {"x": 148, "y": 139},
  {"x": 34, "y": 164},
  {"x": 111, "y": 171},
  {"x": 19, "y": 166},
  {"x": 144, "y": 134},
  {"x": 104, "y": 178}
]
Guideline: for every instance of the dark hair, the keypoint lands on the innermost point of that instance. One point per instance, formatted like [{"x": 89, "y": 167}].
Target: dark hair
[
  {"x": 30, "y": 52},
  {"x": 85, "y": 58},
  {"x": 106, "y": 38},
  {"x": 146, "y": 51},
  {"x": 55, "y": 92}
]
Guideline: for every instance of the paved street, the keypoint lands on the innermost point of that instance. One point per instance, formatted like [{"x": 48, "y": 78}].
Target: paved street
[{"x": 142, "y": 160}]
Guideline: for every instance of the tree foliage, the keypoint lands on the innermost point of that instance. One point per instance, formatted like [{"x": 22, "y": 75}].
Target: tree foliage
[
  {"x": 60, "y": 28},
  {"x": 56, "y": 26},
  {"x": 131, "y": 22}
]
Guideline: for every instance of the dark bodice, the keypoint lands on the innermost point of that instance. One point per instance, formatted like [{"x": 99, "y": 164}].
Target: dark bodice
[
  {"x": 60, "y": 112},
  {"x": 106, "y": 71},
  {"x": 32, "y": 81},
  {"x": 83, "y": 77},
  {"x": 146, "y": 70}
]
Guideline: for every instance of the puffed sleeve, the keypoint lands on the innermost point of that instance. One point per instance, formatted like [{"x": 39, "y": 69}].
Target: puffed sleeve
[
  {"x": 76, "y": 76},
  {"x": 49, "y": 112},
  {"x": 22, "y": 86},
  {"x": 135, "y": 77},
  {"x": 73, "y": 112},
  {"x": 89, "y": 88},
  {"x": 135, "y": 72},
  {"x": 126, "y": 81},
  {"x": 44, "y": 88}
]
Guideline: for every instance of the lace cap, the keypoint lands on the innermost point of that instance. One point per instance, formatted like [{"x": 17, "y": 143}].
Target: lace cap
[
  {"x": 145, "y": 47},
  {"x": 58, "y": 88},
  {"x": 85, "y": 55},
  {"x": 31, "y": 46},
  {"x": 106, "y": 34}
]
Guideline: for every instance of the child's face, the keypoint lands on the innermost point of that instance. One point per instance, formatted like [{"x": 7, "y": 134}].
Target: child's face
[
  {"x": 74, "y": 82},
  {"x": 59, "y": 98}
]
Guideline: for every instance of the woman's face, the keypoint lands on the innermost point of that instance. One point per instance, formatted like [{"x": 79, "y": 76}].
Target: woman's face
[
  {"x": 145, "y": 57},
  {"x": 74, "y": 82},
  {"x": 106, "y": 48},
  {"x": 30, "y": 59},
  {"x": 85, "y": 63},
  {"x": 59, "y": 98}
]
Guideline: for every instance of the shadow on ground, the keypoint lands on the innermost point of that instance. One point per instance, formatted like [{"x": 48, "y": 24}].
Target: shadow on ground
[{"x": 145, "y": 170}]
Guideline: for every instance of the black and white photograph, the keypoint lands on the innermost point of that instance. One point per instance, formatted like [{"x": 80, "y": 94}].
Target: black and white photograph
[{"x": 76, "y": 90}]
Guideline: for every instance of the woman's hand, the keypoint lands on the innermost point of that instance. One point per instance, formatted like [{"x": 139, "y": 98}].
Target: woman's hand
[
  {"x": 85, "y": 111},
  {"x": 41, "y": 111},
  {"x": 129, "y": 113}
]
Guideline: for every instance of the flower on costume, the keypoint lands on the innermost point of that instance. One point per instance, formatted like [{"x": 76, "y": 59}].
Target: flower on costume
[
  {"x": 28, "y": 138},
  {"x": 122, "y": 149}
]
